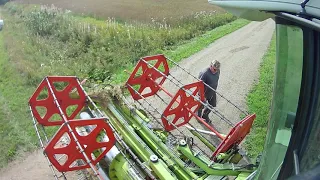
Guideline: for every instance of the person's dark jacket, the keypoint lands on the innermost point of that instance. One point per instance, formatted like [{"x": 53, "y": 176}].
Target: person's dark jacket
[{"x": 212, "y": 80}]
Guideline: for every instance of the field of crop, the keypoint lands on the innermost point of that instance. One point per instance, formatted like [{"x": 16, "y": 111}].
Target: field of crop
[{"x": 142, "y": 10}]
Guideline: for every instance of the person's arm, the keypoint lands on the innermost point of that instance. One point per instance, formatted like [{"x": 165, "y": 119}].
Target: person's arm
[
  {"x": 217, "y": 82},
  {"x": 202, "y": 76}
]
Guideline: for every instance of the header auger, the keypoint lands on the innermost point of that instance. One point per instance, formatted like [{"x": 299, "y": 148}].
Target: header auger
[{"x": 155, "y": 136}]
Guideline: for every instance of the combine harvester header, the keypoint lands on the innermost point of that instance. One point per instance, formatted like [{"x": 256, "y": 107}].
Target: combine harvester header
[{"x": 152, "y": 137}]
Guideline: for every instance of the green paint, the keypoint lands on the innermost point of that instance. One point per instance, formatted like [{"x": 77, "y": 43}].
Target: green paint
[
  {"x": 215, "y": 168},
  {"x": 134, "y": 141},
  {"x": 203, "y": 177},
  {"x": 161, "y": 134},
  {"x": 132, "y": 126},
  {"x": 177, "y": 164},
  {"x": 118, "y": 169},
  {"x": 243, "y": 176},
  {"x": 158, "y": 147},
  {"x": 229, "y": 157},
  {"x": 127, "y": 135},
  {"x": 204, "y": 140},
  {"x": 161, "y": 169}
]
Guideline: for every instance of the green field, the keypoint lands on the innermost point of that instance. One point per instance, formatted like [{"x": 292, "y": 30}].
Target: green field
[
  {"x": 16, "y": 130},
  {"x": 134, "y": 10},
  {"x": 37, "y": 42},
  {"x": 259, "y": 102}
]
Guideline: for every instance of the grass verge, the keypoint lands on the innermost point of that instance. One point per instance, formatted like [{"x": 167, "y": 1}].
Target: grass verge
[
  {"x": 259, "y": 102},
  {"x": 192, "y": 46},
  {"x": 16, "y": 132}
]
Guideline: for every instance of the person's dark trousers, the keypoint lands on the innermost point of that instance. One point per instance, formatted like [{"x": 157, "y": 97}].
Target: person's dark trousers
[{"x": 212, "y": 102}]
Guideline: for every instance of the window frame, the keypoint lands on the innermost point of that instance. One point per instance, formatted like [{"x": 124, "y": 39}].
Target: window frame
[{"x": 310, "y": 86}]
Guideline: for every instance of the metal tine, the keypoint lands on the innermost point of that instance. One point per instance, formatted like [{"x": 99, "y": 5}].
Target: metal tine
[
  {"x": 204, "y": 104},
  {"x": 41, "y": 144},
  {"x": 82, "y": 175},
  {"x": 214, "y": 111},
  {"x": 245, "y": 112},
  {"x": 176, "y": 154},
  {"x": 194, "y": 144},
  {"x": 47, "y": 140},
  {"x": 70, "y": 129},
  {"x": 126, "y": 147},
  {"x": 44, "y": 133},
  {"x": 61, "y": 157},
  {"x": 156, "y": 120},
  {"x": 187, "y": 91},
  {"x": 118, "y": 138},
  {"x": 74, "y": 164},
  {"x": 190, "y": 126},
  {"x": 63, "y": 175},
  {"x": 221, "y": 116},
  {"x": 83, "y": 178},
  {"x": 161, "y": 115}
]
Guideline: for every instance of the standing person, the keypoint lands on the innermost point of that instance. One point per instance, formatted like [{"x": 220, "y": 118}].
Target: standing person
[{"x": 210, "y": 76}]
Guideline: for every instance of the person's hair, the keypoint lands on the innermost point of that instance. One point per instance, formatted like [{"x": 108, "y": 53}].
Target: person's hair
[{"x": 216, "y": 64}]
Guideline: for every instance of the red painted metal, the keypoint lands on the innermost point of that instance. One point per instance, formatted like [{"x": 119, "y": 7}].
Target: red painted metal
[
  {"x": 236, "y": 135},
  {"x": 183, "y": 105},
  {"x": 143, "y": 75},
  {"x": 208, "y": 126},
  {"x": 89, "y": 143},
  {"x": 193, "y": 114},
  {"x": 151, "y": 78},
  {"x": 63, "y": 97}
]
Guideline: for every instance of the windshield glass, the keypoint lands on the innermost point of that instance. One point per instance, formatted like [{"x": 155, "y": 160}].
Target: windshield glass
[
  {"x": 311, "y": 156},
  {"x": 285, "y": 99}
]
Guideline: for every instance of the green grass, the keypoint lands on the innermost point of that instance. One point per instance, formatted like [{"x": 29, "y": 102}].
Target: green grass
[
  {"x": 16, "y": 132},
  {"x": 259, "y": 102},
  {"x": 29, "y": 53},
  {"x": 198, "y": 43},
  {"x": 132, "y": 10},
  {"x": 192, "y": 46}
]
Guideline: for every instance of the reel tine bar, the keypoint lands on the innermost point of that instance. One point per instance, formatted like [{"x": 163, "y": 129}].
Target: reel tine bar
[
  {"x": 141, "y": 75},
  {"x": 68, "y": 144},
  {"x": 63, "y": 88},
  {"x": 88, "y": 141},
  {"x": 183, "y": 106},
  {"x": 150, "y": 78}
]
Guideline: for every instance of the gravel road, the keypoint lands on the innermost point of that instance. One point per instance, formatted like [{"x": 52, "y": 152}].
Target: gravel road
[{"x": 240, "y": 54}]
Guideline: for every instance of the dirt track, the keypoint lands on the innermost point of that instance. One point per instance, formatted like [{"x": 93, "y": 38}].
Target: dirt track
[{"x": 240, "y": 54}]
